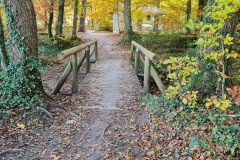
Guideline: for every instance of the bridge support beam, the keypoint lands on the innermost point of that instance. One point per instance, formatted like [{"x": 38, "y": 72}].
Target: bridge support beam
[{"x": 74, "y": 73}]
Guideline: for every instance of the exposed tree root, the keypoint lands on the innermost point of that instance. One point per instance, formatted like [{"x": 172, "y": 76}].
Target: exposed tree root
[
  {"x": 75, "y": 115},
  {"x": 13, "y": 150},
  {"x": 51, "y": 104},
  {"x": 104, "y": 135},
  {"x": 46, "y": 112}
]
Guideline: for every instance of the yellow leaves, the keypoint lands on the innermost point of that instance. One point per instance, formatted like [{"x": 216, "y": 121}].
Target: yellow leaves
[
  {"x": 66, "y": 138},
  {"x": 55, "y": 157},
  {"x": 21, "y": 126},
  {"x": 190, "y": 98},
  {"x": 132, "y": 127},
  {"x": 222, "y": 103},
  {"x": 232, "y": 55},
  {"x": 171, "y": 92}
]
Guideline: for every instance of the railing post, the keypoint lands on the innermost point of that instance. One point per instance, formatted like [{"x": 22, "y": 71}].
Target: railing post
[
  {"x": 147, "y": 67},
  {"x": 74, "y": 74},
  {"x": 88, "y": 60},
  {"x": 136, "y": 64},
  {"x": 96, "y": 52},
  {"x": 131, "y": 52}
]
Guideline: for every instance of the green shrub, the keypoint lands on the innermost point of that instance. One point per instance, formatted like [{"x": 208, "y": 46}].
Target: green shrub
[{"x": 18, "y": 91}]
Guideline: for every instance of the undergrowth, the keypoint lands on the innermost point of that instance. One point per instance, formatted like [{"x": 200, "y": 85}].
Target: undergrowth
[
  {"x": 207, "y": 130},
  {"x": 18, "y": 87},
  {"x": 167, "y": 43},
  {"x": 47, "y": 47}
]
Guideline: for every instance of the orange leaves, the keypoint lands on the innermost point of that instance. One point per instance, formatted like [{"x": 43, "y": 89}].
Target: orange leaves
[
  {"x": 54, "y": 157},
  {"x": 235, "y": 93}
]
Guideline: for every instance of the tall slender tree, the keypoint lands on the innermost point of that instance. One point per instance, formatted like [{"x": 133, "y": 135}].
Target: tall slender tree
[
  {"x": 3, "y": 52},
  {"x": 201, "y": 5},
  {"x": 59, "y": 28},
  {"x": 50, "y": 21},
  {"x": 127, "y": 19},
  {"x": 189, "y": 11},
  {"x": 75, "y": 18},
  {"x": 83, "y": 16},
  {"x": 156, "y": 18}
]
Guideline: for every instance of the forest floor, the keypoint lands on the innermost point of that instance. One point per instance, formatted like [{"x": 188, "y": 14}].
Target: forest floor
[{"x": 104, "y": 120}]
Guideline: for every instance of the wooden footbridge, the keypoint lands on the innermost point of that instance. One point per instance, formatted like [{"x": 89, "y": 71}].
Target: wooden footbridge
[{"x": 140, "y": 57}]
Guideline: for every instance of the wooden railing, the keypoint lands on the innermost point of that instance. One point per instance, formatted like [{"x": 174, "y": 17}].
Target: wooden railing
[
  {"x": 147, "y": 60},
  {"x": 74, "y": 65}
]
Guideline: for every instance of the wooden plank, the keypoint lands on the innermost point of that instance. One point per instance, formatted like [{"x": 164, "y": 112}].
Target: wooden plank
[
  {"x": 74, "y": 74},
  {"x": 88, "y": 60},
  {"x": 81, "y": 61},
  {"x": 136, "y": 64},
  {"x": 62, "y": 79},
  {"x": 66, "y": 53},
  {"x": 146, "y": 75},
  {"x": 131, "y": 52},
  {"x": 152, "y": 56},
  {"x": 96, "y": 51},
  {"x": 66, "y": 73},
  {"x": 158, "y": 80},
  {"x": 156, "y": 77}
]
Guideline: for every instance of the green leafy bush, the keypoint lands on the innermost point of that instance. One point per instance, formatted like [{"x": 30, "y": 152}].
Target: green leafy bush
[{"x": 17, "y": 88}]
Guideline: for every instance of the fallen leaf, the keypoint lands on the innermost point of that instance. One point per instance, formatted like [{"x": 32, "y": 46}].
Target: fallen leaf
[
  {"x": 78, "y": 155},
  {"x": 131, "y": 127},
  {"x": 21, "y": 126},
  {"x": 172, "y": 143},
  {"x": 157, "y": 148},
  {"x": 66, "y": 138},
  {"x": 44, "y": 152},
  {"x": 150, "y": 153},
  {"x": 55, "y": 157},
  {"x": 70, "y": 122},
  {"x": 184, "y": 100},
  {"x": 95, "y": 145}
]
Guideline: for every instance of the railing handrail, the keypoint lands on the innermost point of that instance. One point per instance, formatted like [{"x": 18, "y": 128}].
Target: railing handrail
[
  {"x": 148, "y": 68},
  {"x": 68, "y": 52},
  {"x": 152, "y": 56},
  {"x": 74, "y": 65}
]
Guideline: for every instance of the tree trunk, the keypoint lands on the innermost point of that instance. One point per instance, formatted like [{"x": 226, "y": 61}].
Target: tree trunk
[
  {"x": 22, "y": 24},
  {"x": 139, "y": 24},
  {"x": 3, "y": 51},
  {"x": 45, "y": 21},
  {"x": 127, "y": 19},
  {"x": 83, "y": 16},
  {"x": 75, "y": 18},
  {"x": 189, "y": 10},
  {"x": 156, "y": 19},
  {"x": 50, "y": 22},
  {"x": 201, "y": 5},
  {"x": 59, "y": 28}
]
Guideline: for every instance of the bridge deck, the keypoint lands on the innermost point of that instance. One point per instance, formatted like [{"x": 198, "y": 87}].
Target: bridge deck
[{"x": 109, "y": 91}]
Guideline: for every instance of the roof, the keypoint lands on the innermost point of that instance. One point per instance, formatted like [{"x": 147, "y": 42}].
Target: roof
[{"x": 153, "y": 10}]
